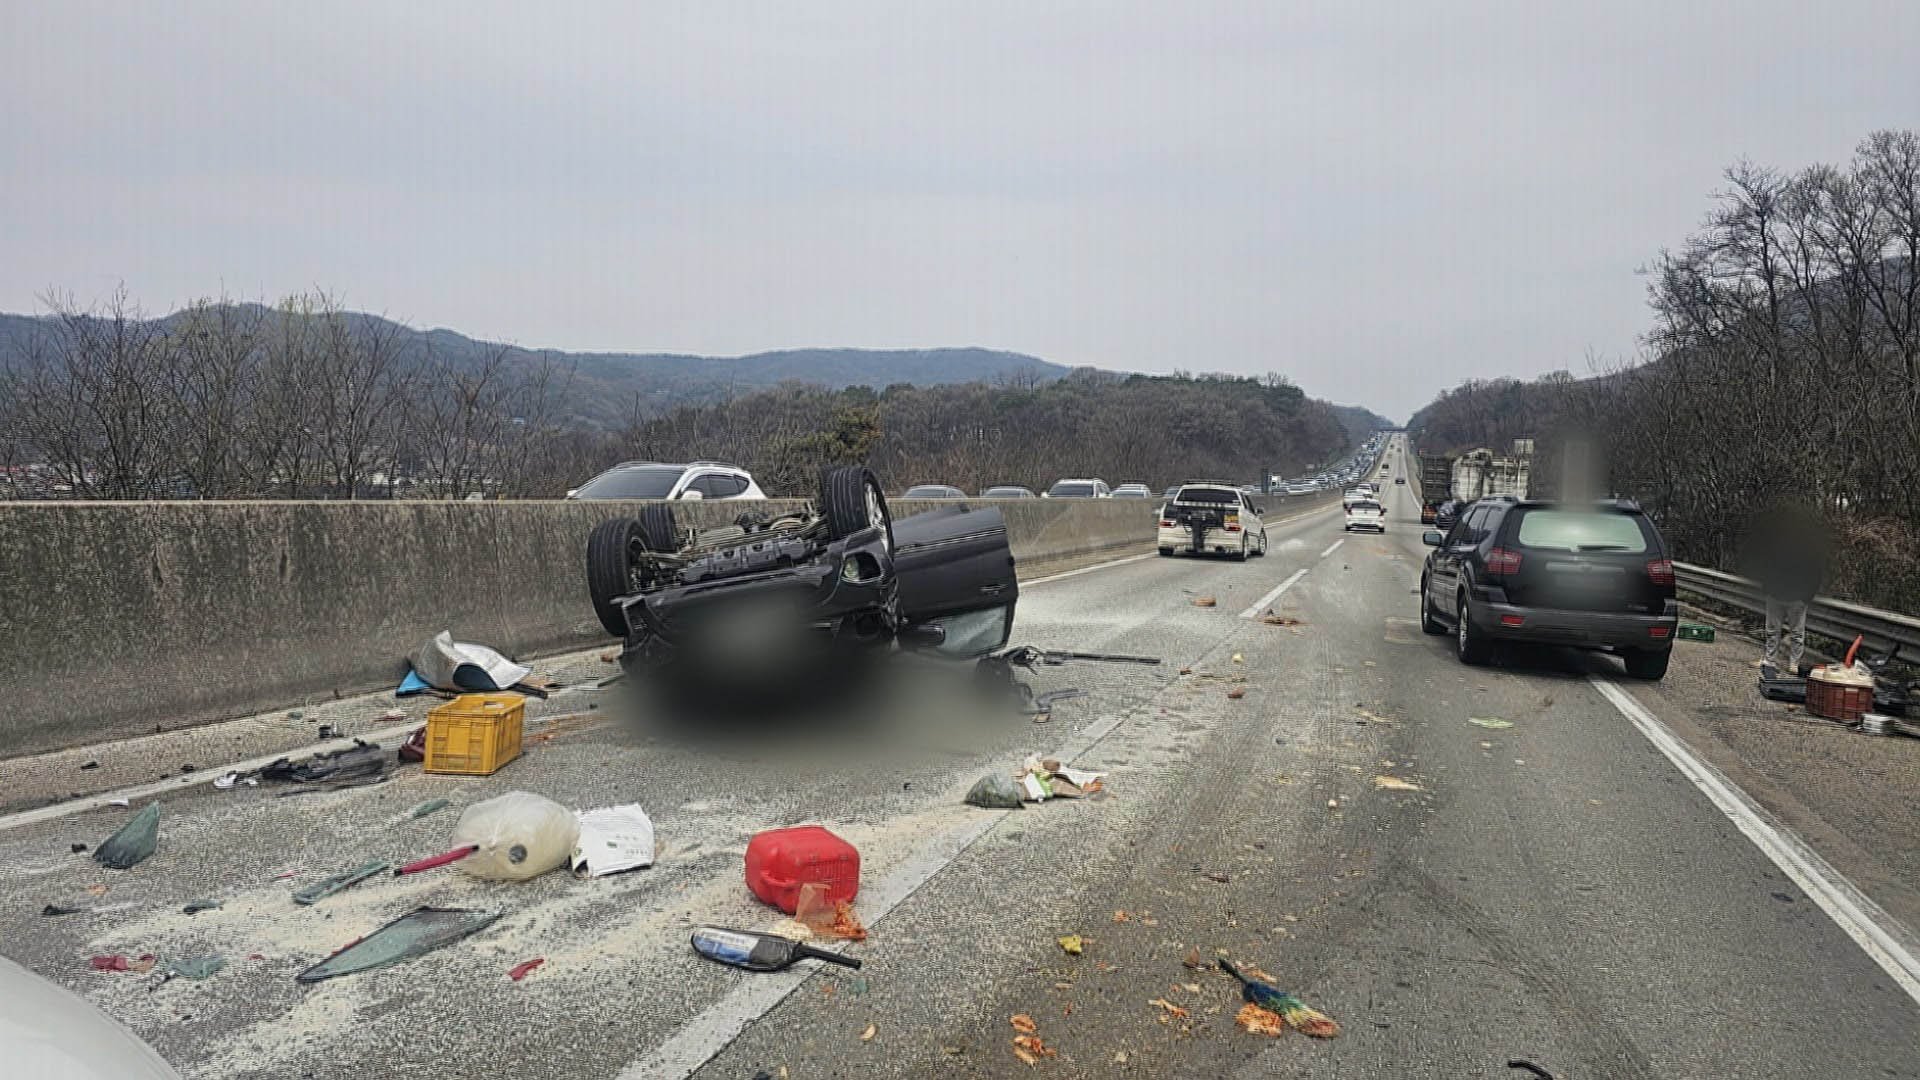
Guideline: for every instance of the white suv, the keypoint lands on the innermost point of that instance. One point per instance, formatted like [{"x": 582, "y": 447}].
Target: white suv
[{"x": 653, "y": 480}]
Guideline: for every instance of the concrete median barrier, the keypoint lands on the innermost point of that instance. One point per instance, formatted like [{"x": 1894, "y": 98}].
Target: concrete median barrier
[{"x": 126, "y": 618}]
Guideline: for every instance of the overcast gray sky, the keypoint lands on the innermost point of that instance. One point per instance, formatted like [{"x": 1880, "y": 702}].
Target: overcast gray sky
[{"x": 1378, "y": 200}]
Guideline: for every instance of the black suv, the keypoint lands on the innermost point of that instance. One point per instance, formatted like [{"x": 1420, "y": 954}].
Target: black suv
[{"x": 1591, "y": 576}]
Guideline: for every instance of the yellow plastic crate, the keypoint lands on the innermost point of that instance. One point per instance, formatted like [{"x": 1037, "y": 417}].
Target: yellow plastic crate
[{"x": 475, "y": 734}]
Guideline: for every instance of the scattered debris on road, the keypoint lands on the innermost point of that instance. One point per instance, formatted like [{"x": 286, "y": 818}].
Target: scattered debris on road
[
  {"x": 825, "y": 917},
  {"x": 612, "y": 840},
  {"x": 1029, "y": 1049},
  {"x": 515, "y": 837},
  {"x": 1072, "y": 944},
  {"x": 996, "y": 791},
  {"x": 760, "y": 952},
  {"x": 431, "y": 862},
  {"x": 1298, "y": 1014},
  {"x": 780, "y": 861},
  {"x": 1023, "y": 1024},
  {"x": 867, "y": 1035},
  {"x": 195, "y": 907},
  {"x": 340, "y": 882},
  {"x": 1395, "y": 783},
  {"x": 134, "y": 842},
  {"x": 525, "y": 968},
  {"x": 414, "y": 934},
  {"x": 1529, "y": 1067},
  {"x": 431, "y": 806},
  {"x": 1205, "y": 601},
  {"x": 116, "y": 962},
  {"x": 1172, "y": 1011},
  {"x": 1236, "y": 693},
  {"x": 195, "y": 969},
  {"x": 355, "y": 766},
  {"x": 1491, "y": 723},
  {"x": 52, "y": 910},
  {"x": 1272, "y": 618},
  {"x": 1259, "y": 1021}
]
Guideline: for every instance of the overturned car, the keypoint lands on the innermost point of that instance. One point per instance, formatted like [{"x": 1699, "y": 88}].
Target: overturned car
[{"x": 769, "y": 597}]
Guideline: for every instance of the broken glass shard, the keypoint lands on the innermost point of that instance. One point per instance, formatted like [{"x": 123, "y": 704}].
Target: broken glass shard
[
  {"x": 136, "y": 840},
  {"x": 414, "y": 934}
]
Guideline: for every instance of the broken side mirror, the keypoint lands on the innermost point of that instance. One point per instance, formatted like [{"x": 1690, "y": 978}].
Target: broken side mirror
[{"x": 1431, "y": 538}]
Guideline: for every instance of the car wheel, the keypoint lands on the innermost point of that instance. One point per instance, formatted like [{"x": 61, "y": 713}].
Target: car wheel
[
  {"x": 611, "y": 549},
  {"x": 657, "y": 528},
  {"x": 1471, "y": 645},
  {"x": 1427, "y": 622},
  {"x": 1263, "y": 544},
  {"x": 1241, "y": 555},
  {"x": 851, "y": 500},
  {"x": 1650, "y": 665}
]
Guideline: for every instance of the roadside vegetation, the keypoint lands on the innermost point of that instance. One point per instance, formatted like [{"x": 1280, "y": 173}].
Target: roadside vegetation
[
  {"x": 1783, "y": 359},
  {"x": 305, "y": 399}
]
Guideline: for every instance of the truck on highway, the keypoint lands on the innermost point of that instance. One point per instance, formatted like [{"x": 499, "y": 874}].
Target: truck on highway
[{"x": 1476, "y": 474}]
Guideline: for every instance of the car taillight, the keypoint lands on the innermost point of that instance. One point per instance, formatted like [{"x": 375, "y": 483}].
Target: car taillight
[
  {"x": 1660, "y": 571},
  {"x": 1659, "y": 631},
  {"x": 1502, "y": 563},
  {"x": 1513, "y": 620},
  {"x": 1166, "y": 523}
]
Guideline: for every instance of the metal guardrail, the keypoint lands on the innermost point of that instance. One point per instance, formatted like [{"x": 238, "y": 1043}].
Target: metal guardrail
[{"x": 1895, "y": 635}]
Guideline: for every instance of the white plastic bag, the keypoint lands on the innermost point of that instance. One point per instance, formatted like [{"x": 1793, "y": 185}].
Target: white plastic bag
[{"x": 520, "y": 835}]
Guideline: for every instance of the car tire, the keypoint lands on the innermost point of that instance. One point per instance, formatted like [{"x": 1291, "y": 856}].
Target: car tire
[
  {"x": 1428, "y": 623},
  {"x": 658, "y": 529},
  {"x": 851, "y": 500},
  {"x": 1472, "y": 646},
  {"x": 1166, "y": 553},
  {"x": 1241, "y": 555},
  {"x": 610, "y": 550},
  {"x": 1648, "y": 664},
  {"x": 1263, "y": 542}
]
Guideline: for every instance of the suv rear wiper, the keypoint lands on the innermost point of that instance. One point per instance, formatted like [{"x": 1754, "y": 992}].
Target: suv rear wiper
[{"x": 1600, "y": 547}]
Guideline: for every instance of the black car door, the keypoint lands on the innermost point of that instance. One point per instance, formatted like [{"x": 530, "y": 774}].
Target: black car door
[{"x": 1444, "y": 580}]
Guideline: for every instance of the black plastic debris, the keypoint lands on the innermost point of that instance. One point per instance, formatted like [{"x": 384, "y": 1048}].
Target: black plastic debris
[
  {"x": 414, "y": 934},
  {"x": 760, "y": 952},
  {"x": 78, "y": 848},
  {"x": 195, "y": 907},
  {"x": 90, "y": 765},
  {"x": 56, "y": 909},
  {"x": 135, "y": 841},
  {"x": 361, "y": 763}
]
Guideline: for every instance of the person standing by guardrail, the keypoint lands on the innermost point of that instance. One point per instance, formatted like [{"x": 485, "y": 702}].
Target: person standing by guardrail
[{"x": 1786, "y": 552}]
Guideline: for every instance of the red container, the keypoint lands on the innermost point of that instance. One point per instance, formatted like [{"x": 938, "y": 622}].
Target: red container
[
  {"x": 779, "y": 861},
  {"x": 1837, "y": 702}
]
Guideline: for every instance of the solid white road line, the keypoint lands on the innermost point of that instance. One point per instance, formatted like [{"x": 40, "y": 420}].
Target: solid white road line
[
  {"x": 1890, "y": 944},
  {"x": 1335, "y": 546},
  {"x": 1261, "y": 604},
  {"x": 700, "y": 1039},
  {"x": 1088, "y": 569}
]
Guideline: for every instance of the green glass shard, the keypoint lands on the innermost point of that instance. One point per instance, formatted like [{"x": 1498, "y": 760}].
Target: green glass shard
[
  {"x": 200, "y": 967},
  {"x": 320, "y": 890},
  {"x": 414, "y": 934},
  {"x": 136, "y": 840}
]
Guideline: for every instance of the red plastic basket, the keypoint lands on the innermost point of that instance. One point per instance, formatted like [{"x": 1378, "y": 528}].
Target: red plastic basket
[{"x": 1835, "y": 701}]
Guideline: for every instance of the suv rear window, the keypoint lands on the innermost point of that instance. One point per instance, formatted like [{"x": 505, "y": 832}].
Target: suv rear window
[
  {"x": 1207, "y": 495},
  {"x": 639, "y": 482},
  {"x": 1582, "y": 530},
  {"x": 1071, "y": 491}
]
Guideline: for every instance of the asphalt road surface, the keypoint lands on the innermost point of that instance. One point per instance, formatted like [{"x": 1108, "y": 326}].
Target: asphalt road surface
[{"x": 1557, "y": 891}]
